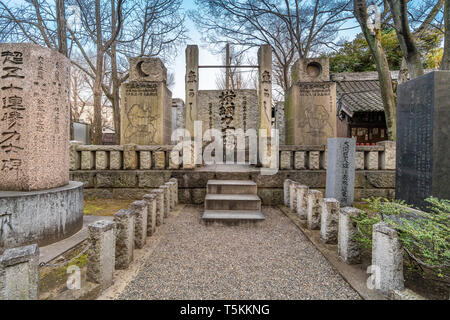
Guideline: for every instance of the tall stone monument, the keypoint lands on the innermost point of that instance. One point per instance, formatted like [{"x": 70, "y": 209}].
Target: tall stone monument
[
  {"x": 37, "y": 201},
  {"x": 265, "y": 88},
  {"x": 146, "y": 112},
  {"x": 423, "y": 135},
  {"x": 341, "y": 170},
  {"x": 191, "y": 87},
  {"x": 310, "y": 106}
]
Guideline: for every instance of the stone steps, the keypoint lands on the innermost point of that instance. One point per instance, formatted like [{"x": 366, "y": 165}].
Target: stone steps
[
  {"x": 232, "y": 202},
  {"x": 231, "y": 187}
]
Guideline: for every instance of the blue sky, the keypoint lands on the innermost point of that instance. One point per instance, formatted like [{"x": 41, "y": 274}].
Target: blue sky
[{"x": 208, "y": 76}]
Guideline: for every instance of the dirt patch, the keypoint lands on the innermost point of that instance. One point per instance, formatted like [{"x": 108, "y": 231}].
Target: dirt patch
[{"x": 105, "y": 207}]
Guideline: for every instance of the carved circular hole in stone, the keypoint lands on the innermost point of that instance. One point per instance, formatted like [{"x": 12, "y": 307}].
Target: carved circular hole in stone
[{"x": 314, "y": 69}]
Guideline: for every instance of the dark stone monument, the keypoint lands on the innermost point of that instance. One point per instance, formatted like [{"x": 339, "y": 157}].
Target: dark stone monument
[
  {"x": 423, "y": 139},
  {"x": 341, "y": 170}
]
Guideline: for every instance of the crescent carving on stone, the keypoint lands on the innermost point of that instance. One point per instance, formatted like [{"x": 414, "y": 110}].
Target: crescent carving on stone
[{"x": 139, "y": 69}]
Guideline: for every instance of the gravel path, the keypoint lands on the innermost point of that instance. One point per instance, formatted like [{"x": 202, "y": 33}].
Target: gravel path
[{"x": 273, "y": 260}]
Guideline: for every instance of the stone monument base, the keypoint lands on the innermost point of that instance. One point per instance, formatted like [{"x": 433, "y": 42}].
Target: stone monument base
[{"x": 41, "y": 217}]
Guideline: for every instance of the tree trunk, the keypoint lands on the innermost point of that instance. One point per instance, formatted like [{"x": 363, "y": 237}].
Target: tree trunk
[
  {"x": 97, "y": 123},
  {"x": 115, "y": 78},
  {"x": 445, "y": 65},
  {"x": 384, "y": 74},
  {"x": 399, "y": 9}
]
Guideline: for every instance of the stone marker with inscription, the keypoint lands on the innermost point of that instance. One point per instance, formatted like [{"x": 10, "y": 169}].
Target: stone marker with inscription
[
  {"x": 310, "y": 106},
  {"x": 146, "y": 113},
  {"x": 38, "y": 204},
  {"x": 423, "y": 135},
  {"x": 341, "y": 170}
]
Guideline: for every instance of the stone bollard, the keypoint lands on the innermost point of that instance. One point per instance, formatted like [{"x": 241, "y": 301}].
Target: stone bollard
[
  {"x": 315, "y": 199},
  {"x": 140, "y": 209},
  {"x": 171, "y": 190},
  {"x": 387, "y": 259},
  {"x": 166, "y": 190},
  {"x": 348, "y": 248},
  {"x": 329, "y": 220},
  {"x": 159, "y": 206},
  {"x": 293, "y": 195},
  {"x": 124, "y": 220},
  {"x": 175, "y": 193},
  {"x": 19, "y": 273},
  {"x": 302, "y": 201},
  {"x": 101, "y": 253},
  {"x": 286, "y": 191},
  {"x": 151, "y": 200}
]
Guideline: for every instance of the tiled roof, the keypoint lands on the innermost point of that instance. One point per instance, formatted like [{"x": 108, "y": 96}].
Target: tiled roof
[{"x": 359, "y": 96}]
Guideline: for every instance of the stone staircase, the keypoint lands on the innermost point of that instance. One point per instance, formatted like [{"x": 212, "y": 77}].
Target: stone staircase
[{"x": 232, "y": 202}]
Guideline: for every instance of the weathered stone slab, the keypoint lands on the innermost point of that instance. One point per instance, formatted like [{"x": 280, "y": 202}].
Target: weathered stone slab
[
  {"x": 315, "y": 200},
  {"x": 329, "y": 221},
  {"x": 299, "y": 161},
  {"x": 423, "y": 135},
  {"x": 34, "y": 125},
  {"x": 293, "y": 195},
  {"x": 19, "y": 273},
  {"x": 145, "y": 159},
  {"x": 387, "y": 259},
  {"x": 115, "y": 160},
  {"x": 151, "y": 200},
  {"x": 348, "y": 248},
  {"x": 314, "y": 160},
  {"x": 286, "y": 189},
  {"x": 302, "y": 201},
  {"x": 341, "y": 170},
  {"x": 101, "y": 160},
  {"x": 147, "y": 69},
  {"x": 160, "y": 160},
  {"x": 286, "y": 160},
  {"x": 101, "y": 253},
  {"x": 87, "y": 160},
  {"x": 141, "y": 209},
  {"x": 130, "y": 157},
  {"x": 265, "y": 88},
  {"x": 175, "y": 189},
  {"x": 167, "y": 200},
  {"x": 125, "y": 220}
]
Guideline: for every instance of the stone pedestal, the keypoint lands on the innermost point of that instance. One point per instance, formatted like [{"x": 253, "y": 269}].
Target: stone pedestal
[
  {"x": 423, "y": 135},
  {"x": 19, "y": 273},
  {"x": 42, "y": 217},
  {"x": 34, "y": 123},
  {"x": 310, "y": 106},
  {"x": 146, "y": 115},
  {"x": 341, "y": 170}
]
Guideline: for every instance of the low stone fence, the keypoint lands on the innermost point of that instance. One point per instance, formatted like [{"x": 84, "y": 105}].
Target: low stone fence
[
  {"x": 111, "y": 245},
  {"x": 337, "y": 227},
  {"x": 129, "y": 172}
]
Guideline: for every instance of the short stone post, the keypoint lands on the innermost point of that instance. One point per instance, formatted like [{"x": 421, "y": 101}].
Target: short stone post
[
  {"x": 130, "y": 157},
  {"x": 172, "y": 198},
  {"x": 293, "y": 195},
  {"x": 302, "y": 201},
  {"x": 286, "y": 191},
  {"x": 175, "y": 192},
  {"x": 388, "y": 156},
  {"x": 315, "y": 199},
  {"x": 348, "y": 248},
  {"x": 101, "y": 253},
  {"x": 151, "y": 200},
  {"x": 124, "y": 220},
  {"x": 75, "y": 156},
  {"x": 140, "y": 209},
  {"x": 166, "y": 190},
  {"x": 329, "y": 220},
  {"x": 387, "y": 259},
  {"x": 159, "y": 206},
  {"x": 19, "y": 273}
]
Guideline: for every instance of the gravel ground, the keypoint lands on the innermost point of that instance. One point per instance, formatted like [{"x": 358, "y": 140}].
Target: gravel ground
[{"x": 272, "y": 260}]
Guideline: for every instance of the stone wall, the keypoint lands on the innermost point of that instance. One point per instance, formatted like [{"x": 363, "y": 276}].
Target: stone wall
[{"x": 106, "y": 172}]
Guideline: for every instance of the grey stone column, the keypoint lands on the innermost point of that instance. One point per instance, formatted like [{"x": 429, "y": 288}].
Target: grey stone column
[
  {"x": 387, "y": 258},
  {"x": 265, "y": 88},
  {"x": 101, "y": 252},
  {"x": 348, "y": 248},
  {"x": 286, "y": 191},
  {"x": 175, "y": 194},
  {"x": 302, "y": 201},
  {"x": 124, "y": 220},
  {"x": 293, "y": 196},
  {"x": 329, "y": 220},
  {"x": 171, "y": 190},
  {"x": 151, "y": 200},
  {"x": 159, "y": 206},
  {"x": 192, "y": 81},
  {"x": 166, "y": 190},
  {"x": 141, "y": 209},
  {"x": 19, "y": 273},
  {"x": 315, "y": 199}
]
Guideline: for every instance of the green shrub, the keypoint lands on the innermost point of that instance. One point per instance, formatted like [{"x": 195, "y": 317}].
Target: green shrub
[{"x": 425, "y": 236}]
